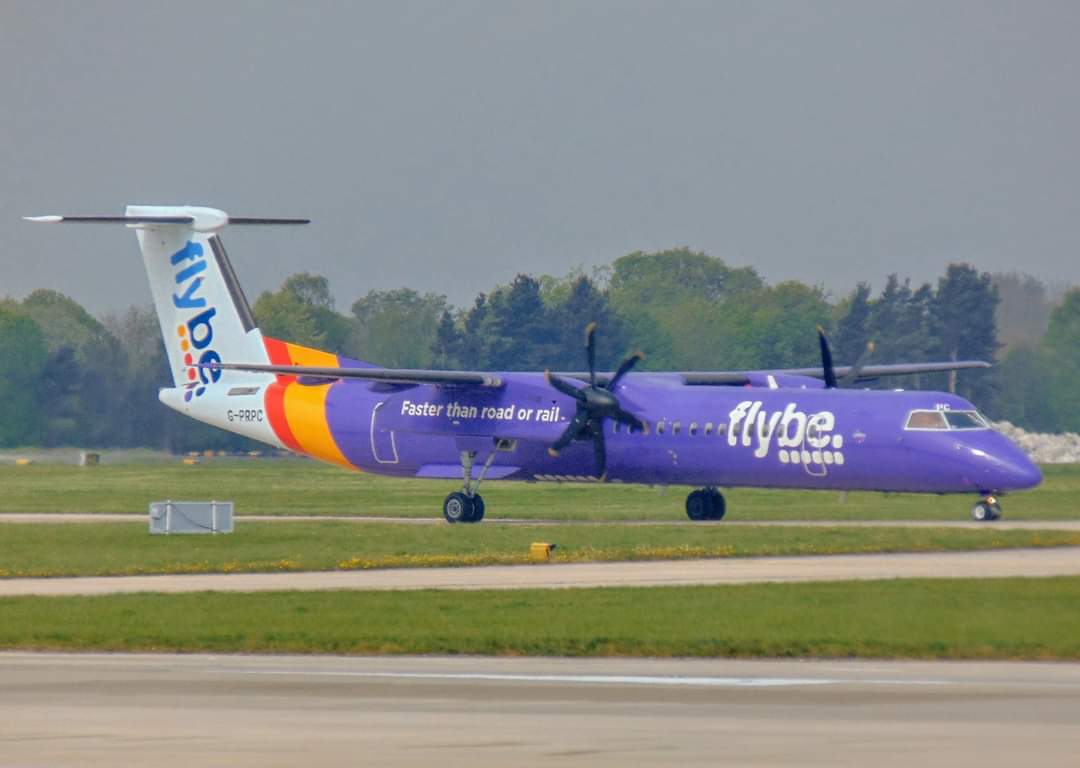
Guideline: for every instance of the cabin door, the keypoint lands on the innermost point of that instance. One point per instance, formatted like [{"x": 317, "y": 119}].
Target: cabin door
[{"x": 383, "y": 445}]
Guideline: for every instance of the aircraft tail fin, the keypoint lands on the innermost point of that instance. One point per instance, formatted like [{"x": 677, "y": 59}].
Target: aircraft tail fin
[{"x": 204, "y": 315}]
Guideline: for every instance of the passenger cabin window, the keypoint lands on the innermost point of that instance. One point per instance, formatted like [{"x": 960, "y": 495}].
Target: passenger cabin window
[
  {"x": 675, "y": 427},
  {"x": 659, "y": 427},
  {"x": 693, "y": 428},
  {"x": 721, "y": 428},
  {"x": 708, "y": 428}
]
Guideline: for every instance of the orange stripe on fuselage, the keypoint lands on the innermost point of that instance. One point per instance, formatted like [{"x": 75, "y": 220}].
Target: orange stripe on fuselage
[
  {"x": 303, "y": 408},
  {"x": 278, "y": 352}
]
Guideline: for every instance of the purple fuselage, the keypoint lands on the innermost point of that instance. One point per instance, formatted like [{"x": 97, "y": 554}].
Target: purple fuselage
[{"x": 787, "y": 437}]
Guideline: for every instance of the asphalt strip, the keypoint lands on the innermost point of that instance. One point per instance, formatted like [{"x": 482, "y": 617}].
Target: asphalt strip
[
  {"x": 108, "y": 517},
  {"x": 1058, "y": 561},
  {"x": 662, "y": 681},
  {"x": 175, "y": 711}
]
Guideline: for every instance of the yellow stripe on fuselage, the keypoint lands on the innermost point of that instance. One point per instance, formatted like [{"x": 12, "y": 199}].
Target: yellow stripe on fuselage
[
  {"x": 305, "y": 409},
  {"x": 311, "y": 357}
]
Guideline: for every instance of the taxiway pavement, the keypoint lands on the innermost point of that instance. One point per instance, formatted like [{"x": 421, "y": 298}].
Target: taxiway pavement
[
  {"x": 108, "y": 517},
  {"x": 134, "y": 710},
  {"x": 1054, "y": 561}
]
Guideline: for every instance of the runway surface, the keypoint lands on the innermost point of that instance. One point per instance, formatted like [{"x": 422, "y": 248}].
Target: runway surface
[
  {"x": 165, "y": 711},
  {"x": 84, "y": 517},
  {"x": 744, "y": 570}
]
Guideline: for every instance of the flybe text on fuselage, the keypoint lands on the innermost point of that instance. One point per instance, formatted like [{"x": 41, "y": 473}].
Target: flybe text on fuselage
[
  {"x": 196, "y": 333},
  {"x": 750, "y": 424}
]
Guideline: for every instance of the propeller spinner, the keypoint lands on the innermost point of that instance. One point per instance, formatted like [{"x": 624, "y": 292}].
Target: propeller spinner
[{"x": 595, "y": 403}]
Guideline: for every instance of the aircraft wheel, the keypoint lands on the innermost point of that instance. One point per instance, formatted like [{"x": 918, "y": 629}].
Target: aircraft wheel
[
  {"x": 986, "y": 511},
  {"x": 477, "y": 509},
  {"x": 698, "y": 506},
  {"x": 718, "y": 507},
  {"x": 457, "y": 508}
]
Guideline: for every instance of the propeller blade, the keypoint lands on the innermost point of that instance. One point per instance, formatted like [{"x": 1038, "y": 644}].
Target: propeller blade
[
  {"x": 600, "y": 452},
  {"x": 628, "y": 418},
  {"x": 826, "y": 359},
  {"x": 852, "y": 375},
  {"x": 564, "y": 387},
  {"x": 590, "y": 351},
  {"x": 573, "y": 429},
  {"x": 627, "y": 364}
]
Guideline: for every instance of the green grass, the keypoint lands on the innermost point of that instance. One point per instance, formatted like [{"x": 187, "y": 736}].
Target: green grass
[
  {"x": 296, "y": 487},
  {"x": 979, "y": 619},
  {"x": 100, "y": 549}
]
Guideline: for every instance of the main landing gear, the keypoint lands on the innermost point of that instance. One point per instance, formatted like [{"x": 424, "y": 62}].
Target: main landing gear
[
  {"x": 705, "y": 504},
  {"x": 987, "y": 510},
  {"x": 459, "y": 507},
  {"x": 466, "y": 505}
]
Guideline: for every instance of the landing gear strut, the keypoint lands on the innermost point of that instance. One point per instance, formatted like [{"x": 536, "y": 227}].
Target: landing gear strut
[
  {"x": 705, "y": 504},
  {"x": 466, "y": 505},
  {"x": 987, "y": 510}
]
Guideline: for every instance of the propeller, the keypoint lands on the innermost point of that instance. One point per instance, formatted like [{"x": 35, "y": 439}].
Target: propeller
[
  {"x": 827, "y": 363},
  {"x": 595, "y": 403}
]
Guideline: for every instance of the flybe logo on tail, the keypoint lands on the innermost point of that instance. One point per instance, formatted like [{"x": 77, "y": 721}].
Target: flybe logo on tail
[{"x": 196, "y": 334}]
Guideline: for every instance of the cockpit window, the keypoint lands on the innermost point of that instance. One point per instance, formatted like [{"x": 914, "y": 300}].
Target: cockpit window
[
  {"x": 965, "y": 420},
  {"x": 927, "y": 420},
  {"x": 953, "y": 420}
]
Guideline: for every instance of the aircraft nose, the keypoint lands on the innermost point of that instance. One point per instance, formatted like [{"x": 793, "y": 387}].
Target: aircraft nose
[
  {"x": 1006, "y": 467},
  {"x": 1021, "y": 471}
]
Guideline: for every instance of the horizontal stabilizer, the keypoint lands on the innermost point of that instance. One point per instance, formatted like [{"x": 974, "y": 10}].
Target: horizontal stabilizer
[
  {"x": 53, "y": 219},
  {"x": 198, "y": 218},
  {"x": 256, "y": 220}
]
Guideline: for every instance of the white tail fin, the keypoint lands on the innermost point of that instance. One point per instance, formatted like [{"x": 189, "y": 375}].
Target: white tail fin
[{"x": 202, "y": 311}]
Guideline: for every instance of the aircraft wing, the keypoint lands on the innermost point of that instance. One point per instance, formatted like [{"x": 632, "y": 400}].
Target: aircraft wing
[
  {"x": 866, "y": 373},
  {"x": 318, "y": 375},
  {"x": 870, "y": 372}
]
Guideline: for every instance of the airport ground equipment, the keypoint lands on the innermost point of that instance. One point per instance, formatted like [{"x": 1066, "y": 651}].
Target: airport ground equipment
[{"x": 191, "y": 517}]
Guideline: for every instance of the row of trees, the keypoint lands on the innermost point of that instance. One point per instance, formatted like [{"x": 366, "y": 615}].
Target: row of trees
[
  {"x": 686, "y": 310},
  {"x": 67, "y": 378}
]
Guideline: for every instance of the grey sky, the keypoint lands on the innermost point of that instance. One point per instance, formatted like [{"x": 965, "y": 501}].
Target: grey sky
[{"x": 447, "y": 146}]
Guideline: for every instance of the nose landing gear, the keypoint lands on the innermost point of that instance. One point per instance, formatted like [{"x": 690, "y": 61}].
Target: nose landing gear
[
  {"x": 705, "y": 504},
  {"x": 987, "y": 510}
]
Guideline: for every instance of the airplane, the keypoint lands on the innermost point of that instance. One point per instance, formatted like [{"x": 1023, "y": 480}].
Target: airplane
[{"x": 806, "y": 428}]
